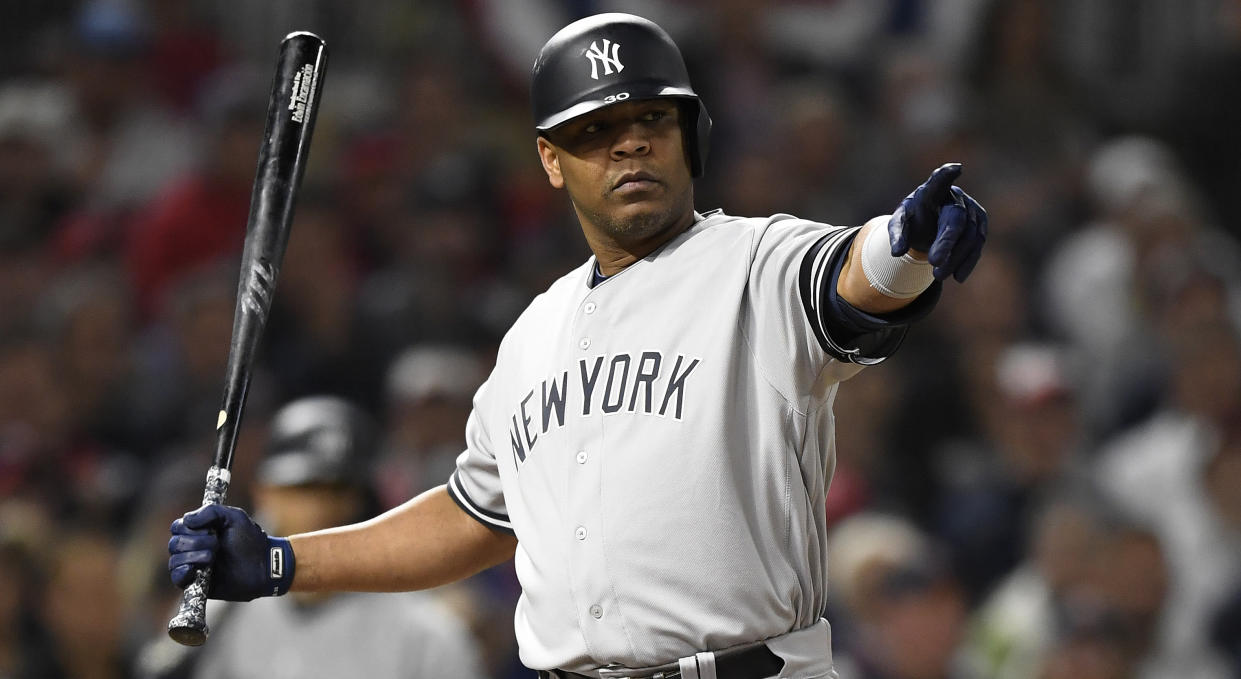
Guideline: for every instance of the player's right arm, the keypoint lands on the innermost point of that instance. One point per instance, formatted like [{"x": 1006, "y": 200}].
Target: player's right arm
[
  {"x": 426, "y": 542},
  {"x": 441, "y": 536}
]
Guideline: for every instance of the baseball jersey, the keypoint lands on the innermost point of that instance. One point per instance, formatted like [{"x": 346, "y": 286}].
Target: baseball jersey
[{"x": 661, "y": 445}]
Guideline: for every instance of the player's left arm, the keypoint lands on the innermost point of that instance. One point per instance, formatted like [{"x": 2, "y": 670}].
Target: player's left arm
[
  {"x": 937, "y": 231},
  {"x": 862, "y": 289}
]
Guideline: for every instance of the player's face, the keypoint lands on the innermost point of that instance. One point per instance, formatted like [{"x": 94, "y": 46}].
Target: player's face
[{"x": 625, "y": 169}]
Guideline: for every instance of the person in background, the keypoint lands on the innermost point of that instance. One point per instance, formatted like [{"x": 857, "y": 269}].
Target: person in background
[
  {"x": 82, "y": 607},
  {"x": 429, "y": 388},
  {"x": 906, "y": 610},
  {"x": 429, "y": 391},
  {"x": 317, "y": 473}
]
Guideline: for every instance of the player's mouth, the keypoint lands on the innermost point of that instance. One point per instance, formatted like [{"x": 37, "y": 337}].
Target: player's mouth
[{"x": 634, "y": 182}]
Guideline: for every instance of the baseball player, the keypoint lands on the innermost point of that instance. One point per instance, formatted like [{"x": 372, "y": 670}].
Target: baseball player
[{"x": 655, "y": 442}]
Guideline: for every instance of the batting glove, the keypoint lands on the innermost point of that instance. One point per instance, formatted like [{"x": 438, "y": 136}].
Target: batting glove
[
  {"x": 942, "y": 221},
  {"x": 245, "y": 562}
]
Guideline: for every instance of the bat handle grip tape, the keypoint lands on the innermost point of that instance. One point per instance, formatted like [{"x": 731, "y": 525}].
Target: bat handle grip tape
[{"x": 189, "y": 626}]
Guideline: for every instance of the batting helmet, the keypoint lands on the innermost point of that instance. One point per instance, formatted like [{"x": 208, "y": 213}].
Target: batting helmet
[
  {"x": 319, "y": 439},
  {"x": 609, "y": 58}
]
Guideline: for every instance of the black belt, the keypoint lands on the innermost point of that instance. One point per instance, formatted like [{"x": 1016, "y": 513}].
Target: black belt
[{"x": 751, "y": 662}]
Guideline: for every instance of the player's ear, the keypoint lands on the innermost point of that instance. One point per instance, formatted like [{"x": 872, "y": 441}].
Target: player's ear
[{"x": 551, "y": 162}]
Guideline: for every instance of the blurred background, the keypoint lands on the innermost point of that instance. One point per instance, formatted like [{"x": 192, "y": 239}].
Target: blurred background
[{"x": 1044, "y": 483}]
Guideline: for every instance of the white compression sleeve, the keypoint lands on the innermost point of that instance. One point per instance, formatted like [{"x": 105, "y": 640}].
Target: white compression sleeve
[{"x": 898, "y": 277}]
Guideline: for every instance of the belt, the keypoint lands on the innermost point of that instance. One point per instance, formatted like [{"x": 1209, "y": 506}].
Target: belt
[{"x": 755, "y": 661}]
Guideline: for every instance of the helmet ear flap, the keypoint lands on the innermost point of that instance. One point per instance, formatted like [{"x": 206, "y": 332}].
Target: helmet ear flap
[
  {"x": 701, "y": 136},
  {"x": 696, "y": 131}
]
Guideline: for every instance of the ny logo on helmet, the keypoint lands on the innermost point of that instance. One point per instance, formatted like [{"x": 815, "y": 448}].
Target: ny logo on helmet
[{"x": 600, "y": 56}]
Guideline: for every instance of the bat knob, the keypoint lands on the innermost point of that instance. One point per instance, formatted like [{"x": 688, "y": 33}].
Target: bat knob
[
  {"x": 187, "y": 635},
  {"x": 189, "y": 626}
]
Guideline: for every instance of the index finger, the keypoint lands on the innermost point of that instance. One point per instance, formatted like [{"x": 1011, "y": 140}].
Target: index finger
[
  {"x": 203, "y": 517},
  {"x": 939, "y": 185}
]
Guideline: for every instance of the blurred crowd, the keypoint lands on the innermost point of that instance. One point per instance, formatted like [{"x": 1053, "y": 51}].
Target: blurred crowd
[{"x": 1044, "y": 483}]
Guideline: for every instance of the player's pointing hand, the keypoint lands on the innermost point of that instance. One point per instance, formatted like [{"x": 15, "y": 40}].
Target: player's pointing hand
[{"x": 942, "y": 222}]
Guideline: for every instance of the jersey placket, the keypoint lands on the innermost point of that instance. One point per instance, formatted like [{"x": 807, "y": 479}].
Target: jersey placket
[{"x": 592, "y": 588}]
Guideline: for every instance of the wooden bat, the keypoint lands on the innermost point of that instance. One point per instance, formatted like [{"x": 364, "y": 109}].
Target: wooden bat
[{"x": 291, "y": 113}]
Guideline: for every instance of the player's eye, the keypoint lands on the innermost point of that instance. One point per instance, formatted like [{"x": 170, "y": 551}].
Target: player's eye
[
  {"x": 592, "y": 128},
  {"x": 652, "y": 116}
]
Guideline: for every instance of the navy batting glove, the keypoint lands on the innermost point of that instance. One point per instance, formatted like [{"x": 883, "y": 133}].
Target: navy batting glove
[
  {"x": 245, "y": 562},
  {"x": 942, "y": 221}
]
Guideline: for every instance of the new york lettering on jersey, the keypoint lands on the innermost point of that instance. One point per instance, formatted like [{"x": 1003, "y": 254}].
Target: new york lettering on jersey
[{"x": 656, "y": 390}]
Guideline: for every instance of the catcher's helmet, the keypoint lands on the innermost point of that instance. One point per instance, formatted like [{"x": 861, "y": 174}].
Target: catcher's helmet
[
  {"x": 319, "y": 439},
  {"x": 609, "y": 58}
]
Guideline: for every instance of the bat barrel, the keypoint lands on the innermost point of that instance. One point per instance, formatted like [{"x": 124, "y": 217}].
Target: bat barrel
[{"x": 291, "y": 113}]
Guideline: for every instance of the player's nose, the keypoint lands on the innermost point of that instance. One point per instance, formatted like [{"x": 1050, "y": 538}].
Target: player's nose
[{"x": 632, "y": 140}]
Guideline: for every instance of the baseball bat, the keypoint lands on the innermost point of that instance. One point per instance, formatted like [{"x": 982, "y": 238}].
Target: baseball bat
[{"x": 291, "y": 113}]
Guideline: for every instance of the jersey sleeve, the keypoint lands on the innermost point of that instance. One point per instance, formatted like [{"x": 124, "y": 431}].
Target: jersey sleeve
[
  {"x": 783, "y": 343},
  {"x": 475, "y": 483}
]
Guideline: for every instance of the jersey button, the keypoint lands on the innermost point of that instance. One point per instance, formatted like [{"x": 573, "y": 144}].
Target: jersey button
[
  {"x": 580, "y": 533},
  {"x": 584, "y": 343},
  {"x": 596, "y": 611},
  {"x": 581, "y": 457},
  {"x": 589, "y": 307}
]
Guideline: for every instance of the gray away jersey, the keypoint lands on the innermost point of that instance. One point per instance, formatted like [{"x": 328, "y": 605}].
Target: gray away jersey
[{"x": 661, "y": 446}]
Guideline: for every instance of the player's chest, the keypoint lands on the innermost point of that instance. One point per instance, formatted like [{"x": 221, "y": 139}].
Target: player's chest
[{"x": 627, "y": 329}]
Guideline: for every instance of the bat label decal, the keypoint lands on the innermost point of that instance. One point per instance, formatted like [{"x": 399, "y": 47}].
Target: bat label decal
[{"x": 302, "y": 82}]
